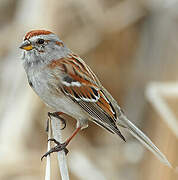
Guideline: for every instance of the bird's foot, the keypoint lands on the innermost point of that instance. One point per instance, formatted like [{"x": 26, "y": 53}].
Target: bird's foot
[
  {"x": 57, "y": 115},
  {"x": 57, "y": 148}
]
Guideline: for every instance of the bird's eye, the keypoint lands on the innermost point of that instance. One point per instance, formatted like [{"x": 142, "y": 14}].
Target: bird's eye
[{"x": 40, "y": 41}]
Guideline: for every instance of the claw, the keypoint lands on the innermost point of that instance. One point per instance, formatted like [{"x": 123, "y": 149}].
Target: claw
[
  {"x": 47, "y": 125},
  {"x": 57, "y": 148},
  {"x": 63, "y": 122},
  {"x": 66, "y": 151},
  {"x": 56, "y": 115},
  {"x": 56, "y": 142},
  {"x": 47, "y": 153}
]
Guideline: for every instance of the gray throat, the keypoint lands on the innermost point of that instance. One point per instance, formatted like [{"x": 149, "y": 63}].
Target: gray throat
[{"x": 34, "y": 60}]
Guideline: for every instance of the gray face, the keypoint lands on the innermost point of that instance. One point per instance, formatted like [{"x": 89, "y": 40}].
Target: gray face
[{"x": 42, "y": 49}]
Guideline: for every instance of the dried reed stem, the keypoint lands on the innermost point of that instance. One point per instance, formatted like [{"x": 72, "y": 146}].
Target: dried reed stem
[
  {"x": 48, "y": 164},
  {"x": 55, "y": 128}
]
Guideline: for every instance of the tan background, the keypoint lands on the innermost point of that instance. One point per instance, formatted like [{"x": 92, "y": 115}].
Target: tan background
[{"x": 128, "y": 44}]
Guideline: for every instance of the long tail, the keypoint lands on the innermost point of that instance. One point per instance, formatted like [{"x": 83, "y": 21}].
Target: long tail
[{"x": 138, "y": 134}]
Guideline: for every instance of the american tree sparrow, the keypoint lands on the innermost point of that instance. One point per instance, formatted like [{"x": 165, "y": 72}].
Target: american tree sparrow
[{"x": 67, "y": 84}]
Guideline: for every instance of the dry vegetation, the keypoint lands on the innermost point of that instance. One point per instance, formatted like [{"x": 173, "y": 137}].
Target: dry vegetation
[{"x": 128, "y": 43}]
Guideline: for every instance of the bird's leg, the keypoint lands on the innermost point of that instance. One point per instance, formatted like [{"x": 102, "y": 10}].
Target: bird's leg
[
  {"x": 61, "y": 146},
  {"x": 56, "y": 115}
]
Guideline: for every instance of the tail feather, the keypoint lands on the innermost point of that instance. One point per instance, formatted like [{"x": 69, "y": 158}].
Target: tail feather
[{"x": 138, "y": 134}]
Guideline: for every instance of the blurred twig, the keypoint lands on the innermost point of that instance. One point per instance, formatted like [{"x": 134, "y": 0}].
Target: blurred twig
[{"x": 154, "y": 94}]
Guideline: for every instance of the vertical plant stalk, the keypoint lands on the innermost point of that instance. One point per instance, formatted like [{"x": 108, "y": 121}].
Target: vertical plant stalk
[
  {"x": 48, "y": 164},
  {"x": 56, "y": 131}
]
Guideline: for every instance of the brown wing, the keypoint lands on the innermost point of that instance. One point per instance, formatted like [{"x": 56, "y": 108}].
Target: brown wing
[{"x": 83, "y": 87}]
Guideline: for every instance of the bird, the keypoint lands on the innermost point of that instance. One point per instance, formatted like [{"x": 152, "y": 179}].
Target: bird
[{"x": 66, "y": 83}]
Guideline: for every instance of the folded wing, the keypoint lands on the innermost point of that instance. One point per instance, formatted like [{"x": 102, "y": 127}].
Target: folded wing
[{"x": 82, "y": 86}]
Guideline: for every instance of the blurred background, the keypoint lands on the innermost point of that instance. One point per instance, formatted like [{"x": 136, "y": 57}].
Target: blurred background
[{"x": 132, "y": 46}]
